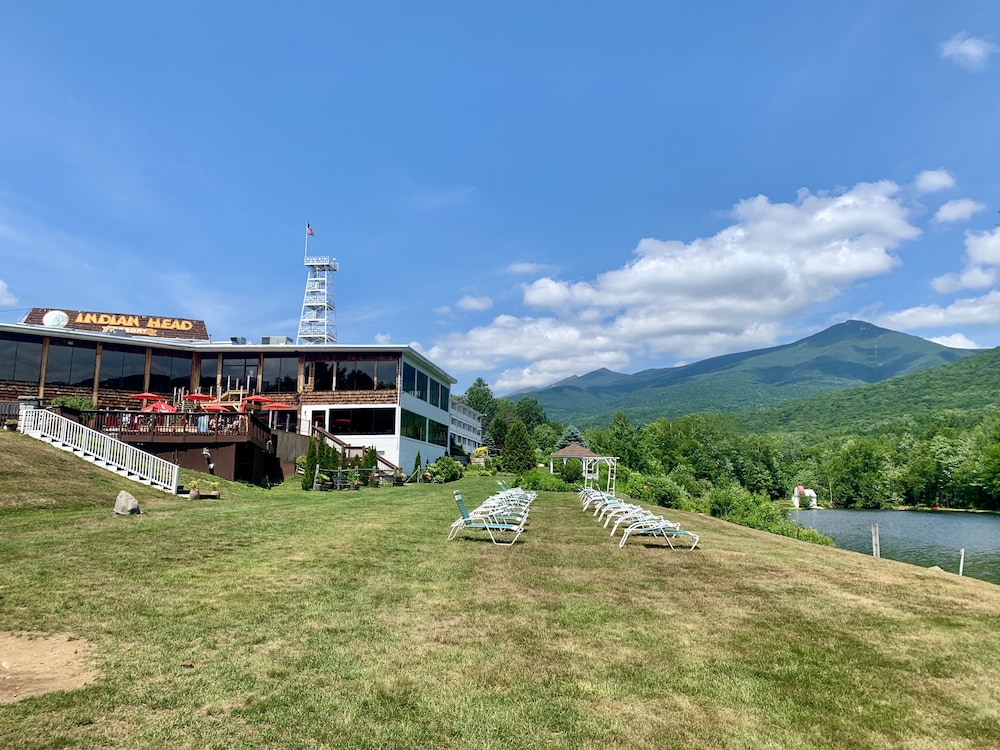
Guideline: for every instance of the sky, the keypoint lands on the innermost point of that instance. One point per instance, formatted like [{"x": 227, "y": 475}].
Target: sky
[{"x": 522, "y": 191}]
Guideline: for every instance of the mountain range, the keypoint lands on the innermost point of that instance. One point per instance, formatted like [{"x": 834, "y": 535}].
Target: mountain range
[{"x": 844, "y": 356}]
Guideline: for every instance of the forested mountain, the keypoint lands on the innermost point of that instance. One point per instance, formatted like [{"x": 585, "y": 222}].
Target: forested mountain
[
  {"x": 845, "y": 356},
  {"x": 962, "y": 392}
]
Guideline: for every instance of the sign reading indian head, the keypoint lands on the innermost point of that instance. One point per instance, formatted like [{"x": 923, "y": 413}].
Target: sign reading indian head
[{"x": 119, "y": 323}]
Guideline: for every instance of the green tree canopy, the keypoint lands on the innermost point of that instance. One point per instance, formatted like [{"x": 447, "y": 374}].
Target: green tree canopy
[{"x": 519, "y": 450}]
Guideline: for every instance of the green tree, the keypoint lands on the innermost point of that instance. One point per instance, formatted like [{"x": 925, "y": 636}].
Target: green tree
[
  {"x": 309, "y": 468},
  {"x": 571, "y": 436},
  {"x": 529, "y": 411},
  {"x": 480, "y": 397},
  {"x": 519, "y": 451}
]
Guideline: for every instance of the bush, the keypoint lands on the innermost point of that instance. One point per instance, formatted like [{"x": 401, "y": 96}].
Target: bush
[
  {"x": 657, "y": 488},
  {"x": 572, "y": 471},
  {"x": 475, "y": 470},
  {"x": 445, "y": 469},
  {"x": 73, "y": 402},
  {"x": 737, "y": 505},
  {"x": 536, "y": 479}
]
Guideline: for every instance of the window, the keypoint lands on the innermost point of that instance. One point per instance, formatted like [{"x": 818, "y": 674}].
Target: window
[
  {"x": 421, "y": 392},
  {"x": 364, "y": 375},
  {"x": 20, "y": 358},
  {"x": 438, "y": 433},
  {"x": 209, "y": 369},
  {"x": 70, "y": 363},
  {"x": 239, "y": 373},
  {"x": 123, "y": 368},
  {"x": 445, "y": 396},
  {"x": 387, "y": 371},
  {"x": 409, "y": 379},
  {"x": 323, "y": 376},
  {"x": 168, "y": 371},
  {"x": 413, "y": 425},
  {"x": 280, "y": 375},
  {"x": 434, "y": 396},
  {"x": 379, "y": 421}
]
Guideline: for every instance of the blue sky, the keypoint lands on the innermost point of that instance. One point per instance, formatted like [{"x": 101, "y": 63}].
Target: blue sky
[{"x": 523, "y": 191}]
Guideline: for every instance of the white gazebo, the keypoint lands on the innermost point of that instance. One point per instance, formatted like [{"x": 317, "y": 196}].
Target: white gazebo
[{"x": 591, "y": 464}]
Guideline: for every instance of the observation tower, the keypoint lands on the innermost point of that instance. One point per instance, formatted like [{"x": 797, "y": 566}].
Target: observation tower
[{"x": 318, "y": 322}]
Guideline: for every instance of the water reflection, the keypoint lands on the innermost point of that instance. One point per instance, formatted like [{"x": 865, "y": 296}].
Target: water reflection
[{"x": 919, "y": 538}]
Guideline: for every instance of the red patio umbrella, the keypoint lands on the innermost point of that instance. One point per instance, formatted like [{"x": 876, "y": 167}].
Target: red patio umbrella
[
  {"x": 276, "y": 405},
  {"x": 257, "y": 400},
  {"x": 160, "y": 406},
  {"x": 199, "y": 397},
  {"x": 215, "y": 407},
  {"x": 147, "y": 396}
]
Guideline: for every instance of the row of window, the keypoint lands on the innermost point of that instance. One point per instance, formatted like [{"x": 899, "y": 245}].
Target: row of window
[
  {"x": 73, "y": 363},
  {"x": 418, "y": 427},
  {"x": 424, "y": 387}
]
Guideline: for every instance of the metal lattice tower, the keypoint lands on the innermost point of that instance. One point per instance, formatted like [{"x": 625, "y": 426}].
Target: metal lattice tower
[{"x": 318, "y": 323}]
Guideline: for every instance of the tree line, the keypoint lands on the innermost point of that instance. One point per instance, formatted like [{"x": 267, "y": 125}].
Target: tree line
[{"x": 671, "y": 462}]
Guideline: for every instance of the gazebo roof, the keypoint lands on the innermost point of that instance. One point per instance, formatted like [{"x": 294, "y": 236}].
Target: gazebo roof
[{"x": 573, "y": 450}]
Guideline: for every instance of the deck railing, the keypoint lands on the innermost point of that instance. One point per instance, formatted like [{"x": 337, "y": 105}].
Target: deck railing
[{"x": 103, "y": 449}]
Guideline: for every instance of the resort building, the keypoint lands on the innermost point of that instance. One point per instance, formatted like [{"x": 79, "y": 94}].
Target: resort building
[
  {"x": 466, "y": 426},
  {"x": 387, "y": 397}
]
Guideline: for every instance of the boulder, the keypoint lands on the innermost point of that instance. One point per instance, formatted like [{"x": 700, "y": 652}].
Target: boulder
[{"x": 126, "y": 504}]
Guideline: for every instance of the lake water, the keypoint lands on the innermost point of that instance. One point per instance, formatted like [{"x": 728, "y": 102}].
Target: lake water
[{"x": 919, "y": 538}]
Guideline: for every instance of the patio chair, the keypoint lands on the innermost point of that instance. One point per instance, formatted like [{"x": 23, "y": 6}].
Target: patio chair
[
  {"x": 657, "y": 526},
  {"x": 493, "y": 523}
]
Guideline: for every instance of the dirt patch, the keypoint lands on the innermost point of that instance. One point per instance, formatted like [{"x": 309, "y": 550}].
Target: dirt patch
[{"x": 32, "y": 664}]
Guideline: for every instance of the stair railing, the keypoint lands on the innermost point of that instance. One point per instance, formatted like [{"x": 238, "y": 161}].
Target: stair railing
[{"x": 112, "y": 453}]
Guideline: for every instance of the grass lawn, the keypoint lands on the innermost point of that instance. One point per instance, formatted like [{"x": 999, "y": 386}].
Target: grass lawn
[{"x": 289, "y": 619}]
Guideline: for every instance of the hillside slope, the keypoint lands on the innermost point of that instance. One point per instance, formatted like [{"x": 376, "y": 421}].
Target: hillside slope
[
  {"x": 844, "y": 356},
  {"x": 970, "y": 386}
]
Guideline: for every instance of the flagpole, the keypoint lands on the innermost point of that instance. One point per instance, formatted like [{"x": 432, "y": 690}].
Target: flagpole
[{"x": 306, "y": 253}]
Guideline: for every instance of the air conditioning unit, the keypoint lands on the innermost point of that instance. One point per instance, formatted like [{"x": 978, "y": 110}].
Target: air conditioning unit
[
  {"x": 275, "y": 340},
  {"x": 237, "y": 339}
]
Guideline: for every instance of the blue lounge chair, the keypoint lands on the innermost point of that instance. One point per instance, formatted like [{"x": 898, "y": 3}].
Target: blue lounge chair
[{"x": 497, "y": 522}]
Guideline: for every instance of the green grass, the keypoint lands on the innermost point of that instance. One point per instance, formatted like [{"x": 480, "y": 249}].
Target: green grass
[{"x": 281, "y": 618}]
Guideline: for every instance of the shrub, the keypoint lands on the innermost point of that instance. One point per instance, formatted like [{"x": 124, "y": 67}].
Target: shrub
[
  {"x": 73, "y": 402},
  {"x": 536, "y": 479},
  {"x": 737, "y": 505},
  {"x": 475, "y": 470},
  {"x": 572, "y": 471},
  {"x": 657, "y": 488},
  {"x": 445, "y": 469}
]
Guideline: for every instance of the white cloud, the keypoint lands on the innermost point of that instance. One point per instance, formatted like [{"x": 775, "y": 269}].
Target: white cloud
[
  {"x": 958, "y": 210},
  {"x": 934, "y": 180},
  {"x": 383, "y": 338},
  {"x": 475, "y": 304},
  {"x": 982, "y": 258},
  {"x": 525, "y": 268},
  {"x": 973, "y": 277},
  {"x": 6, "y": 297},
  {"x": 956, "y": 341},
  {"x": 728, "y": 292},
  {"x": 983, "y": 311},
  {"x": 968, "y": 51}
]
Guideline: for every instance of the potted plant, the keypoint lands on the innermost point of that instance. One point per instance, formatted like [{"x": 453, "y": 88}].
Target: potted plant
[
  {"x": 214, "y": 489},
  {"x": 194, "y": 490},
  {"x": 398, "y": 479}
]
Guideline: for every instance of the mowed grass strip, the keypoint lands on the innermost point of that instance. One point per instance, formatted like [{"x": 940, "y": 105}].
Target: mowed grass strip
[{"x": 285, "y": 618}]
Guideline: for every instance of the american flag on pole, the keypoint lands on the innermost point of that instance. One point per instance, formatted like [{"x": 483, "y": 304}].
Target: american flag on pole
[{"x": 309, "y": 231}]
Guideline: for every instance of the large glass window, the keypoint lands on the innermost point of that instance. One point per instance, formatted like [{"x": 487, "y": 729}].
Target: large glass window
[
  {"x": 434, "y": 394},
  {"x": 421, "y": 392},
  {"x": 123, "y": 367},
  {"x": 445, "y": 397},
  {"x": 70, "y": 363},
  {"x": 280, "y": 375},
  {"x": 239, "y": 373},
  {"x": 379, "y": 421},
  {"x": 323, "y": 376},
  {"x": 387, "y": 371},
  {"x": 438, "y": 433},
  {"x": 409, "y": 379},
  {"x": 209, "y": 371},
  {"x": 169, "y": 370},
  {"x": 413, "y": 425},
  {"x": 364, "y": 375},
  {"x": 20, "y": 358}
]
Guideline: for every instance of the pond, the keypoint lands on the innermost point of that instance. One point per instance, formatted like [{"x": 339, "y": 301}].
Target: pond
[{"x": 919, "y": 538}]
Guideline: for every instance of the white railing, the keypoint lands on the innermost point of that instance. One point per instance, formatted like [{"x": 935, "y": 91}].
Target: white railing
[{"x": 136, "y": 464}]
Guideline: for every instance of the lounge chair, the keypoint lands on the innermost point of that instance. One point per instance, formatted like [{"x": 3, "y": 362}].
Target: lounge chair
[
  {"x": 495, "y": 522},
  {"x": 656, "y": 526}
]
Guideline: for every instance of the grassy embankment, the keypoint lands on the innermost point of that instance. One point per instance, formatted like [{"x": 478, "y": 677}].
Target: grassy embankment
[{"x": 289, "y": 619}]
